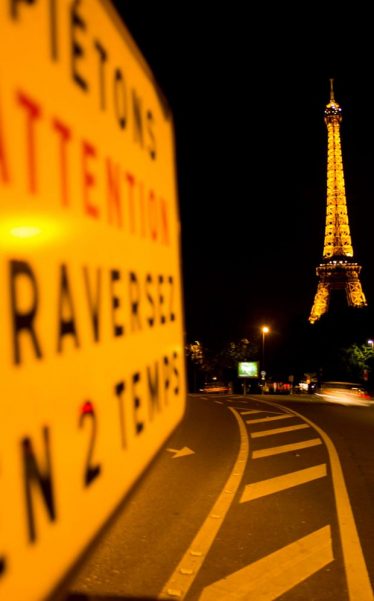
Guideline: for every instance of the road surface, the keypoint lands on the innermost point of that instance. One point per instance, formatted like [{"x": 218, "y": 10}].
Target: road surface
[{"x": 253, "y": 498}]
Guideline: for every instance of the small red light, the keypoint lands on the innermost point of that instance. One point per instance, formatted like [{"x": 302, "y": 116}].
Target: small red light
[{"x": 87, "y": 408}]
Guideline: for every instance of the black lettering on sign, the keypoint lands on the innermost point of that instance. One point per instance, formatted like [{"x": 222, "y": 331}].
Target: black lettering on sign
[
  {"x": 77, "y": 51},
  {"x": 161, "y": 298},
  {"x": 115, "y": 275},
  {"x": 23, "y": 319},
  {"x": 91, "y": 472},
  {"x": 152, "y": 316},
  {"x": 171, "y": 299},
  {"x": 176, "y": 373},
  {"x": 139, "y": 425},
  {"x": 2, "y": 566},
  {"x": 166, "y": 368},
  {"x": 94, "y": 298},
  {"x": 119, "y": 90},
  {"x": 138, "y": 118},
  {"x": 53, "y": 29},
  {"x": 119, "y": 389},
  {"x": 35, "y": 478},
  {"x": 103, "y": 57},
  {"x": 152, "y": 146},
  {"x": 134, "y": 295},
  {"x": 14, "y": 7},
  {"x": 66, "y": 317},
  {"x": 153, "y": 382}
]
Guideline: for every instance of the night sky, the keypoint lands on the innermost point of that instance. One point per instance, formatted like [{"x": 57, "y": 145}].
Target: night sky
[{"x": 247, "y": 92}]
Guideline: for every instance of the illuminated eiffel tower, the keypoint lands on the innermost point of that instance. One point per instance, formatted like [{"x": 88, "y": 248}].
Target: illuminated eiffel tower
[{"x": 338, "y": 270}]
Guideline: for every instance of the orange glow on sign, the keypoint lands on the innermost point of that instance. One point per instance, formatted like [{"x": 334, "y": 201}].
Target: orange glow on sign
[{"x": 25, "y": 231}]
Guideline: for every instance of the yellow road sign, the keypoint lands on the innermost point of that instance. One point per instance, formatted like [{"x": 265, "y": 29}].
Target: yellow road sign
[{"x": 91, "y": 346}]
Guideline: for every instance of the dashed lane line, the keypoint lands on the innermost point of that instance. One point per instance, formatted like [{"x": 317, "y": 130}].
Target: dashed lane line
[
  {"x": 286, "y": 448},
  {"x": 186, "y": 571},
  {"x": 274, "y": 431},
  {"x": 263, "y": 420},
  {"x": 358, "y": 581},
  {"x": 236, "y": 400},
  {"x": 250, "y": 411},
  {"x": 255, "y": 490},
  {"x": 275, "y": 574}
]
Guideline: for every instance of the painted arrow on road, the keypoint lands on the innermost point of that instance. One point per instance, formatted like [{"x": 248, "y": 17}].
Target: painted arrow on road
[{"x": 181, "y": 452}]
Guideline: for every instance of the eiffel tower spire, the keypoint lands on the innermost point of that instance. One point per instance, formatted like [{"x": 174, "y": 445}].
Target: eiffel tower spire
[
  {"x": 338, "y": 269},
  {"x": 332, "y": 98}
]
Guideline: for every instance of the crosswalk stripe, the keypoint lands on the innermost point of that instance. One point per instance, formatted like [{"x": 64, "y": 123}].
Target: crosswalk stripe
[
  {"x": 286, "y": 448},
  {"x": 277, "y": 573},
  {"x": 273, "y": 485},
  {"x": 269, "y": 419},
  {"x": 278, "y": 430},
  {"x": 253, "y": 411},
  {"x": 358, "y": 580}
]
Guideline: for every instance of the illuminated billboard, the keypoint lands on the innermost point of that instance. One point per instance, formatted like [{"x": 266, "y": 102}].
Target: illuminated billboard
[{"x": 248, "y": 369}]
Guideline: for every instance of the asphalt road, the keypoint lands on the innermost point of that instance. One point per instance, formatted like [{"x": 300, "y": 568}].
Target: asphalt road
[
  {"x": 351, "y": 429},
  {"x": 256, "y": 497}
]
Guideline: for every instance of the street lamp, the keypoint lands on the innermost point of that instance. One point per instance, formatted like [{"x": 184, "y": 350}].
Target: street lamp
[{"x": 264, "y": 330}]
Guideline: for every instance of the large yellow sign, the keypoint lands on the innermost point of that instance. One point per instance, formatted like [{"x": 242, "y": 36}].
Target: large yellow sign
[{"x": 91, "y": 326}]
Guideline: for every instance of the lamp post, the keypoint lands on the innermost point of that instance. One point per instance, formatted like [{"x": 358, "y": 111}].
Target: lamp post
[{"x": 264, "y": 330}]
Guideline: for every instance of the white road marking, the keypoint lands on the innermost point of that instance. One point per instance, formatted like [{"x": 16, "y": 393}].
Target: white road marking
[
  {"x": 269, "y": 419},
  {"x": 358, "y": 581},
  {"x": 273, "y": 485},
  {"x": 286, "y": 448},
  {"x": 181, "y": 452},
  {"x": 277, "y": 573},
  {"x": 261, "y": 411},
  {"x": 190, "y": 564},
  {"x": 278, "y": 430}
]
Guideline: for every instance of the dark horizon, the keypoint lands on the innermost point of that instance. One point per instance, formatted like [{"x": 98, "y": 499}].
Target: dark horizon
[{"x": 251, "y": 147}]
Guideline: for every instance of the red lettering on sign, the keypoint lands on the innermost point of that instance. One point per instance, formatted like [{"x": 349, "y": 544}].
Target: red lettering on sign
[
  {"x": 142, "y": 209},
  {"x": 4, "y": 173},
  {"x": 88, "y": 151},
  {"x": 64, "y": 133},
  {"x": 131, "y": 181},
  {"x": 164, "y": 221},
  {"x": 33, "y": 112},
  {"x": 152, "y": 212},
  {"x": 107, "y": 188},
  {"x": 113, "y": 192}
]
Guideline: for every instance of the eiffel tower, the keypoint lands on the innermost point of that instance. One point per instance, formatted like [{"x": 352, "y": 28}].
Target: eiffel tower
[{"x": 338, "y": 270}]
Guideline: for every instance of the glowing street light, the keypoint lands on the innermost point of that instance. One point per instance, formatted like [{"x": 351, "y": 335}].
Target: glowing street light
[{"x": 264, "y": 330}]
